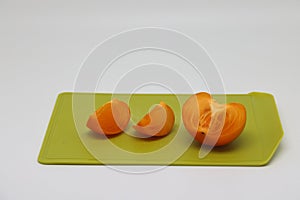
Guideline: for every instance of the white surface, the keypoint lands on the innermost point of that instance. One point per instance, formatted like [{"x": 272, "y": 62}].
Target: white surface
[{"x": 255, "y": 44}]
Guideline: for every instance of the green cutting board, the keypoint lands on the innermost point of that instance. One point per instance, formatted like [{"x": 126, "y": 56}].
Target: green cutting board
[{"x": 69, "y": 141}]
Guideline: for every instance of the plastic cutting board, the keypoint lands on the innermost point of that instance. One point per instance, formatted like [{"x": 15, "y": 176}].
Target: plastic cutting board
[{"x": 68, "y": 141}]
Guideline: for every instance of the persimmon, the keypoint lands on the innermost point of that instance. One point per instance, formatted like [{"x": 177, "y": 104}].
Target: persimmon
[
  {"x": 211, "y": 123},
  {"x": 110, "y": 119},
  {"x": 158, "y": 122}
]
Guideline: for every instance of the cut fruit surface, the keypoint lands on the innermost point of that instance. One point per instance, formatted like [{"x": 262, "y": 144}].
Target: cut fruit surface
[
  {"x": 212, "y": 123},
  {"x": 158, "y": 122}
]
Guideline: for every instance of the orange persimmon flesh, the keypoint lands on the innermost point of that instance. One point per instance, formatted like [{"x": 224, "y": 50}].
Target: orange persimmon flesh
[
  {"x": 110, "y": 119},
  {"x": 158, "y": 122},
  {"x": 212, "y": 123}
]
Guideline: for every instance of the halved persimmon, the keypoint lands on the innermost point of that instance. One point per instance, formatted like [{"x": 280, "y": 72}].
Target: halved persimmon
[
  {"x": 110, "y": 119},
  {"x": 158, "y": 122},
  {"x": 212, "y": 123}
]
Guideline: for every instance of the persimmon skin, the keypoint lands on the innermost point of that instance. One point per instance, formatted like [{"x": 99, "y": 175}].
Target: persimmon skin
[
  {"x": 197, "y": 113},
  {"x": 110, "y": 119},
  {"x": 158, "y": 122}
]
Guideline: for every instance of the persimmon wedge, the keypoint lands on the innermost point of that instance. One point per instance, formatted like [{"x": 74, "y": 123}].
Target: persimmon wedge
[
  {"x": 212, "y": 123},
  {"x": 110, "y": 119},
  {"x": 158, "y": 122}
]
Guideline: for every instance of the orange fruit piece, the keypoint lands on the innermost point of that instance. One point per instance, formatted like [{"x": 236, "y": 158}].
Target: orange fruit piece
[
  {"x": 110, "y": 119},
  {"x": 158, "y": 122},
  {"x": 212, "y": 123}
]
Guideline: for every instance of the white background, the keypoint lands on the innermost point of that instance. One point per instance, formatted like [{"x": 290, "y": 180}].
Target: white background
[{"x": 255, "y": 44}]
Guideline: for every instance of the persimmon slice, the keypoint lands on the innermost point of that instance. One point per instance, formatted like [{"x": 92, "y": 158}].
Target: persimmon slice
[
  {"x": 110, "y": 119},
  {"x": 158, "y": 122},
  {"x": 212, "y": 123}
]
